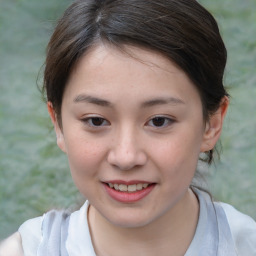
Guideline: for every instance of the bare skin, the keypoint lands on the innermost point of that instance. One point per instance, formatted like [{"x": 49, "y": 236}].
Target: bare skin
[
  {"x": 173, "y": 235},
  {"x": 12, "y": 246}
]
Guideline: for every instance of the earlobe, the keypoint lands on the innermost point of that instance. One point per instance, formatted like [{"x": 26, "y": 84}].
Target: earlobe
[
  {"x": 214, "y": 126},
  {"x": 58, "y": 130}
]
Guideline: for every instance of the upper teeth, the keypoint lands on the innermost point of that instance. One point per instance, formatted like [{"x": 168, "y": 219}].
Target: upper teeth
[{"x": 129, "y": 188}]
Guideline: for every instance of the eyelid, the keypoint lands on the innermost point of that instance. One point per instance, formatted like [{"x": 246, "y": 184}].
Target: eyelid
[
  {"x": 87, "y": 118},
  {"x": 170, "y": 120}
]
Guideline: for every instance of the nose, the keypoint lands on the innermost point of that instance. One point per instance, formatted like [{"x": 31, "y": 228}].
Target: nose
[{"x": 126, "y": 151}]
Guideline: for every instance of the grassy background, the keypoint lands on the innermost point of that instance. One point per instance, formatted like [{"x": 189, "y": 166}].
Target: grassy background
[{"x": 34, "y": 174}]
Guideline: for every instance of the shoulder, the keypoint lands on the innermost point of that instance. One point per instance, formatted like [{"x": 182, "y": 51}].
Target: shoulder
[
  {"x": 26, "y": 239},
  {"x": 243, "y": 230},
  {"x": 12, "y": 246},
  {"x": 31, "y": 226}
]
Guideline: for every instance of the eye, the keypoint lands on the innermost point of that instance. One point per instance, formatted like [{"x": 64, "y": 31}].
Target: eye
[
  {"x": 160, "y": 121},
  {"x": 95, "y": 121}
]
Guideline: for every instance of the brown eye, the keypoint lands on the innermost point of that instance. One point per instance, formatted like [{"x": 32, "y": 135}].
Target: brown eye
[
  {"x": 160, "y": 121},
  {"x": 95, "y": 121}
]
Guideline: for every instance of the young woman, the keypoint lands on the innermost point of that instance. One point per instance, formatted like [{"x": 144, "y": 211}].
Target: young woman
[{"x": 136, "y": 96}]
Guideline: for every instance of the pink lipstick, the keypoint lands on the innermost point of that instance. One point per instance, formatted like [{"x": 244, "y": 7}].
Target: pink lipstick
[{"x": 128, "y": 192}]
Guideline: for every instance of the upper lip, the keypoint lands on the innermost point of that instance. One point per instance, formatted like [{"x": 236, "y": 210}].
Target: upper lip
[{"x": 130, "y": 182}]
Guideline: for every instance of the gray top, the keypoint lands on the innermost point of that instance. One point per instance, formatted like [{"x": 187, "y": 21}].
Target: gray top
[
  {"x": 221, "y": 231},
  {"x": 213, "y": 235}
]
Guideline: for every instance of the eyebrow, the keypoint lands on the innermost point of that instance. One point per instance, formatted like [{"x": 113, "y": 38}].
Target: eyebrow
[
  {"x": 93, "y": 100},
  {"x": 162, "y": 101},
  {"x": 150, "y": 103}
]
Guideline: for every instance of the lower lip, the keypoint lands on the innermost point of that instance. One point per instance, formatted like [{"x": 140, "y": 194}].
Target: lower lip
[{"x": 128, "y": 197}]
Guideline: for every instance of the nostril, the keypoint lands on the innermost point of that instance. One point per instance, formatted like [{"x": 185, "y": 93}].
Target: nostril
[{"x": 126, "y": 160}]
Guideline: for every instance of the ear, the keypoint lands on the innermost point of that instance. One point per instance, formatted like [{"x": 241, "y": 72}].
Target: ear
[
  {"x": 214, "y": 126},
  {"x": 58, "y": 130}
]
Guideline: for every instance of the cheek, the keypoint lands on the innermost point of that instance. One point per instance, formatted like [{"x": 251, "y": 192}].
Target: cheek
[
  {"x": 84, "y": 156},
  {"x": 85, "y": 159},
  {"x": 175, "y": 149},
  {"x": 178, "y": 155}
]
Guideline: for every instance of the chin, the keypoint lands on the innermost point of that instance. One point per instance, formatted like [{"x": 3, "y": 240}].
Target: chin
[{"x": 130, "y": 220}]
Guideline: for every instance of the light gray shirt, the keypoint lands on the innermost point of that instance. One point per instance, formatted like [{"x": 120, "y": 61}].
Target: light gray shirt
[{"x": 221, "y": 231}]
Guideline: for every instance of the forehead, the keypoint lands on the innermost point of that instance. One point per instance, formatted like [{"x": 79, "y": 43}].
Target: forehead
[
  {"x": 99, "y": 54},
  {"x": 111, "y": 72}
]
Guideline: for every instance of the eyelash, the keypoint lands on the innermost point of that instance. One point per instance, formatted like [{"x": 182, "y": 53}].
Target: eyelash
[
  {"x": 89, "y": 121},
  {"x": 167, "y": 121}
]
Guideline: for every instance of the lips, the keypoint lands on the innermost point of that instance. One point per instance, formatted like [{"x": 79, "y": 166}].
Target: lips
[{"x": 128, "y": 192}]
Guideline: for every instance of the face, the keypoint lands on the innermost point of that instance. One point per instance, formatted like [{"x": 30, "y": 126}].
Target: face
[{"x": 132, "y": 128}]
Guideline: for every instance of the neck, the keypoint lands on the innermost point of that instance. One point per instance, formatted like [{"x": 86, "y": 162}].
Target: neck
[{"x": 169, "y": 235}]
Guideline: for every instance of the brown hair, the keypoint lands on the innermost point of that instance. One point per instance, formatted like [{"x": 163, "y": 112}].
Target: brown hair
[{"x": 181, "y": 30}]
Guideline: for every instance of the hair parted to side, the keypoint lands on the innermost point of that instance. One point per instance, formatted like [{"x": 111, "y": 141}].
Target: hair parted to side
[{"x": 181, "y": 30}]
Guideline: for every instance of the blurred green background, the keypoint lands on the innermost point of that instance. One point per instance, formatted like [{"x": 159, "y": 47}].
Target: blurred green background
[{"x": 34, "y": 175}]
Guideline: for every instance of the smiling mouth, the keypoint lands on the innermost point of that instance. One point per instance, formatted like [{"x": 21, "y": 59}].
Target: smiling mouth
[
  {"x": 128, "y": 192},
  {"x": 128, "y": 188}
]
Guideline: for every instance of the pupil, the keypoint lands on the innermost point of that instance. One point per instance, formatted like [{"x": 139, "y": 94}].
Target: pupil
[
  {"x": 158, "y": 121},
  {"x": 97, "y": 121}
]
